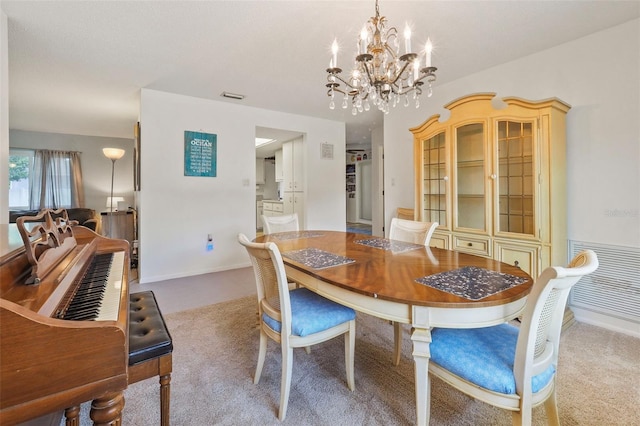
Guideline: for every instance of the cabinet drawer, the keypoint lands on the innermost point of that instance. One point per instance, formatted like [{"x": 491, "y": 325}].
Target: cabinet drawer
[
  {"x": 439, "y": 241},
  {"x": 277, "y": 207},
  {"x": 473, "y": 245},
  {"x": 523, "y": 256},
  {"x": 267, "y": 206}
]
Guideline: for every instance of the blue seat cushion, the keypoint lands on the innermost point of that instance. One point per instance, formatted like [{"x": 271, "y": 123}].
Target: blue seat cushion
[
  {"x": 483, "y": 356},
  {"x": 312, "y": 313}
]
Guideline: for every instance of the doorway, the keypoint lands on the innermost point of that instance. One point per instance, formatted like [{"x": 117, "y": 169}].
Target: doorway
[{"x": 364, "y": 176}]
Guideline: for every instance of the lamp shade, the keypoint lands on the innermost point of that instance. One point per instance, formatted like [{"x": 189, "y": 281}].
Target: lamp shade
[
  {"x": 113, "y": 153},
  {"x": 113, "y": 201}
]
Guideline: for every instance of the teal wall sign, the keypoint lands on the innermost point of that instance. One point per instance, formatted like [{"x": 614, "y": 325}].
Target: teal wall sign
[{"x": 200, "y": 152}]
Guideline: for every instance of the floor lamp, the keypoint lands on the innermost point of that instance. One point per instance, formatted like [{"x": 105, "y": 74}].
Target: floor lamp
[{"x": 112, "y": 154}]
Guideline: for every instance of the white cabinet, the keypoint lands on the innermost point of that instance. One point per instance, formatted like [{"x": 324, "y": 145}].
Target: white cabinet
[
  {"x": 260, "y": 180},
  {"x": 292, "y": 161},
  {"x": 293, "y": 178},
  {"x": 294, "y": 203},
  {"x": 272, "y": 208},
  {"x": 279, "y": 168}
]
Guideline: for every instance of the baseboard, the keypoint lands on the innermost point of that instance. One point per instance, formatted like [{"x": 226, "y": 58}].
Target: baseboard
[
  {"x": 605, "y": 321},
  {"x": 157, "y": 278}
]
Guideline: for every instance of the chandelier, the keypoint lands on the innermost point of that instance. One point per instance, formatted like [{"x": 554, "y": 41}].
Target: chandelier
[{"x": 381, "y": 76}]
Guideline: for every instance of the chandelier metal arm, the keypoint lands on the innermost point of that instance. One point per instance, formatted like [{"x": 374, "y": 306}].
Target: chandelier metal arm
[
  {"x": 428, "y": 73},
  {"x": 381, "y": 75},
  {"x": 407, "y": 58},
  {"x": 333, "y": 73}
]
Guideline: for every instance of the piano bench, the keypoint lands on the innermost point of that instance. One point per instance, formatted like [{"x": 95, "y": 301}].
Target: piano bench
[{"x": 150, "y": 347}]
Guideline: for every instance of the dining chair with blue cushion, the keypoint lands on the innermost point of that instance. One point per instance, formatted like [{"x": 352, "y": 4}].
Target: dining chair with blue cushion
[
  {"x": 294, "y": 318},
  {"x": 409, "y": 231},
  {"x": 511, "y": 367}
]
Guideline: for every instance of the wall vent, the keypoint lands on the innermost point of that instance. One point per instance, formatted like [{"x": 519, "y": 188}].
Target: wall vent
[{"x": 614, "y": 288}]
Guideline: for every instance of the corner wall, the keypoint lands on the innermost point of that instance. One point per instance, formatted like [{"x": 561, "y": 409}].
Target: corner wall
[
  {"x": 603, "y": 133},
  {"x": 603, "y": 130},
  {"x": 176, "y": 212}
]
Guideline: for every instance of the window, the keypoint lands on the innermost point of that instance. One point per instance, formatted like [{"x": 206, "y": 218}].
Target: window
[
  {"x": 41, "y": 179},
  {"x": 20, "y": 164}
]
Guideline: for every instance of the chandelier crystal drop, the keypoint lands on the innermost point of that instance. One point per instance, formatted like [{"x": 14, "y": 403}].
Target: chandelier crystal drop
[{"x": 381, "y": 75}]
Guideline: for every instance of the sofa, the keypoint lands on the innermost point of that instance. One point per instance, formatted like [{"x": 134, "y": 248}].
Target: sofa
[{"x": 85, "y": 217}]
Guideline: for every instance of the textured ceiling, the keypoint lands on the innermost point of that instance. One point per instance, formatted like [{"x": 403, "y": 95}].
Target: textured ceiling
[{"x": 77, "y": 66}]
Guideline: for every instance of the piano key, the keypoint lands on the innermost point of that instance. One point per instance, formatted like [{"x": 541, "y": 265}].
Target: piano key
[
  {"x": 98, "y": 297},
  {"x": 111, "y": 300}
]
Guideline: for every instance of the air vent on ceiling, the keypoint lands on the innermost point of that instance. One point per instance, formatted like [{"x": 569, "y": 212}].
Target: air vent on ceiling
[{"x": 232, "y": 95}]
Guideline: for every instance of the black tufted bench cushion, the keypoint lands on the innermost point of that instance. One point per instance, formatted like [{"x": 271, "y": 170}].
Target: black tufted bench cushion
[
  {"x": 150, "y": 347},
  {"x": 148, "y": 333}
]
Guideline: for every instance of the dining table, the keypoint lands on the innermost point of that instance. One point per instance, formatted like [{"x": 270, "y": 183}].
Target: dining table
[{"x": 414, "y": 284}]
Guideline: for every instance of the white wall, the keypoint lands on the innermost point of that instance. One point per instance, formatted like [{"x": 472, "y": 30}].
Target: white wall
[
  {"x": 96, "y": 168},
  {"x": 599, "y": 75},
  {"x": 177, "y": 212}
]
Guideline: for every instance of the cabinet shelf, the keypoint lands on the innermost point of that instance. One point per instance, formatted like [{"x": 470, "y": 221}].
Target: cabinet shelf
[{"x": 470, "y": 163}]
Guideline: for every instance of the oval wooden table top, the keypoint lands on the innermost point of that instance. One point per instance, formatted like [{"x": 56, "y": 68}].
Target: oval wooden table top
[{"x": 388, "y": 269}]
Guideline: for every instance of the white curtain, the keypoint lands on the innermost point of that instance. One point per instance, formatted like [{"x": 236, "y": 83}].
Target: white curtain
[{"x": 56, "y": 180}]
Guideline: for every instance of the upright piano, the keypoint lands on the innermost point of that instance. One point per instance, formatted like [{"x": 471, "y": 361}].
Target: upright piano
[{"x": 63, "y": 341}]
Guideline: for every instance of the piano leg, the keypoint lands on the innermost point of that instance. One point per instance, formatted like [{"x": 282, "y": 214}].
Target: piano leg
[
  {"x": 107, "y": 411},
  {"x": 72, "y": 416},
  {"x": 165, "y": 397}
]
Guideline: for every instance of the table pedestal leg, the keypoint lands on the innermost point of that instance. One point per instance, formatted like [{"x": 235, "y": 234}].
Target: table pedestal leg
[{"x": 421, "y": 338}]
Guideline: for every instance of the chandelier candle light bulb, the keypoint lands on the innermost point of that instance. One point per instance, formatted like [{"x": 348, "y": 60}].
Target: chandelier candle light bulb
[
  {"x": 334, "y": 50},
  {"x": 381, "y": 75},
  {"x": 363, "y": 40},
  {"x": 407, "y": 39}
]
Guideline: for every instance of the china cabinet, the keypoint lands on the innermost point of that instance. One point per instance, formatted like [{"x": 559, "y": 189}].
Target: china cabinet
[{"x": 493, "y": 176}]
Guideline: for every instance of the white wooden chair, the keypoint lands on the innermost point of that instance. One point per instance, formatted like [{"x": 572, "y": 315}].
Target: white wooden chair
[
  {"x": 316, "y": 319},
  {"x": 283, "y": 223},
  {"x": 510, "y": 367},
  {"x": 412, "y": 231},
  {"x": 409, "y": 231}
]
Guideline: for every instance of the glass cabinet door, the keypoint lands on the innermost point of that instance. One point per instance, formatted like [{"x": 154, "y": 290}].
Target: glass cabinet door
[
  {"x": 434, "y": 180},
  {"x": 470, "y": 177},
  {"x": 515, "y": 177}
]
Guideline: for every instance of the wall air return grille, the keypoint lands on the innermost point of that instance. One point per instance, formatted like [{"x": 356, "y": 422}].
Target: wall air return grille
[{"x": 614, "y": 288}]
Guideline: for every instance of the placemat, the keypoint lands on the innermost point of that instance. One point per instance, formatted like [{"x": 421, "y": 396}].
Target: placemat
[
  {"x": 316, "y": 258},
  {"x": 471, "y": 282},
  {"x": 386, "y": 244},
  {"x": 294, "y": 235}
]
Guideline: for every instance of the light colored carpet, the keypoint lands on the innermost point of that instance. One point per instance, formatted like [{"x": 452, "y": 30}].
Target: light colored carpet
[{"x": 216, "y": 351}]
